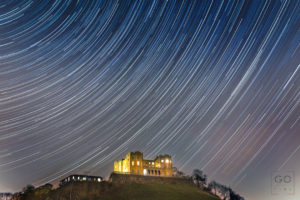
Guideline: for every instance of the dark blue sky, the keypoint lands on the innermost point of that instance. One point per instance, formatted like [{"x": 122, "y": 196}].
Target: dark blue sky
[{"x": 215, "y": 84}]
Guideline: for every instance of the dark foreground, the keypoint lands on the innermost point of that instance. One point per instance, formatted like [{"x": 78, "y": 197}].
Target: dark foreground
[{"x": 110, "y": 191}]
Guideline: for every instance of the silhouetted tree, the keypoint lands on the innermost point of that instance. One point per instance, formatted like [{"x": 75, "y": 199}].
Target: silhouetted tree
[
  {"x": 226, "y": 193},
  {"x": 177, "y": 173},
  {"x": 42, "y": 191},
  {"x": 234, "y": 196},
  {"x": 213, "y": 187},
  {"x": 199, "y": 178},
  {"x": 16, "y": 196},
  {"x": 28, "y": 189},
  {"x": 27, "y": 192}
]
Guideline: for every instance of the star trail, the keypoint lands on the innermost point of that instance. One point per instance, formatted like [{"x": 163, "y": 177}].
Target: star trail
[{"x": 215, "y": 84}]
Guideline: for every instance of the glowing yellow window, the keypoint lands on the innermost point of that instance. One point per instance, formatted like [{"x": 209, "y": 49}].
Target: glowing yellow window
[
  {"x": 152, "y": 163},
  {"x": 167, "y": 161},
  {"x": 162, "y": 161},
  {"x": 132, "y": 163},
  {"x": 138, "y": 163}
]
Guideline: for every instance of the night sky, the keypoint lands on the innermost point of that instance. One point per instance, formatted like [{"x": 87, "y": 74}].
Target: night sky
[{"x": 215, "y": 84}]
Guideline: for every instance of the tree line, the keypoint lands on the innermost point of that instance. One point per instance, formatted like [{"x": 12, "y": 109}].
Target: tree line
[{"x": 201, "y": 181}]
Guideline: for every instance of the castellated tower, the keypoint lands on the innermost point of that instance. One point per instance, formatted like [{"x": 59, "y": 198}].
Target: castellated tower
[{"x": 135, "y": 164}]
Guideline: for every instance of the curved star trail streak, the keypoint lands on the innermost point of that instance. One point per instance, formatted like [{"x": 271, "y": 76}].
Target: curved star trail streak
[{"x": 213, "y": 83}]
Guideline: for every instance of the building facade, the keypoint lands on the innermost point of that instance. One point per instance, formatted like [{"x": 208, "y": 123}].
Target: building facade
[
  {"x": 6, "y": 196},
  {"x": 134, "y": 163},
  {"x": 80, "y": 178}
]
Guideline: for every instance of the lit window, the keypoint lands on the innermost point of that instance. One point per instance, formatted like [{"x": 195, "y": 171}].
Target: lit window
[
  {"x": 132, "y": 163},
  {"x": 162, "y": 161},
  {"x": 138, "y": 163},
  {"x": 167, "y": 161},
  {"x": 145, "y": 172},
  {"x": 84, "y": 178},
  {"x": 78, "y": 178},
  {"x": 152, "y": 163},
  {"x": 99, "y": 179}
]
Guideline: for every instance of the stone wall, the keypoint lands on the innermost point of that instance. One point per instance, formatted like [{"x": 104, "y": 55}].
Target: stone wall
[
  {"x": 129, "y": 178},
  {"x": 134, "y": 163}
]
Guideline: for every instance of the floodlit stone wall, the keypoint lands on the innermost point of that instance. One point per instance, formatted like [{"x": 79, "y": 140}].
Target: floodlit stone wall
[{"x": 129, "y": 178}]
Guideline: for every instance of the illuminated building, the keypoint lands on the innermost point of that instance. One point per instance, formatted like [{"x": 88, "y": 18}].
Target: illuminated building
[
  {"x": 135, "y": 164},
  {"x": 80, "y": 178}
]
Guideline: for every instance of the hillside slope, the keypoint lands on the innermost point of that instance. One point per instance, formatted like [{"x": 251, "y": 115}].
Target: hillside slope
[
  {"x": 158, "y": 192},
  {"x": 132, "y": 191}
]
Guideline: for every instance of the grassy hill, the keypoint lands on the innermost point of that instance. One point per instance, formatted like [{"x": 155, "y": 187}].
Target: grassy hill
[
  {"x": 158, "y": 192},
  {"x": 132, "y": 191}
]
